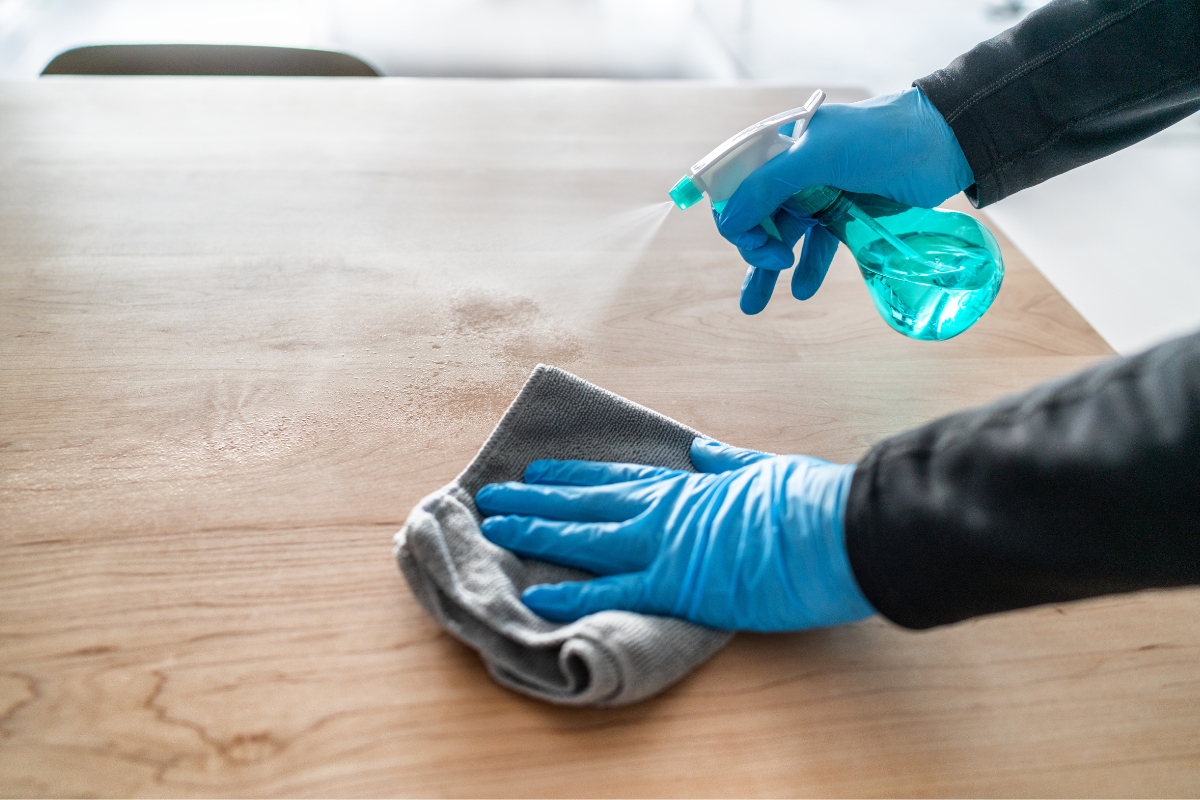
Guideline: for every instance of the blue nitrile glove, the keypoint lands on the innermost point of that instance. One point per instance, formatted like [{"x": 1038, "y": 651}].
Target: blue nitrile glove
[
  {"x": 896, "y": 145},
  {"x": 751, "y": 542}
]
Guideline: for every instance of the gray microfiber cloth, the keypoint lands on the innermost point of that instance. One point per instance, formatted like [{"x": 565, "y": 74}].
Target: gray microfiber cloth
[{"x": 473, "y": 588}]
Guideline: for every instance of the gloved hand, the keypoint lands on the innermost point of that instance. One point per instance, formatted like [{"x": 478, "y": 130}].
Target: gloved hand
[
  {"x": 751, "y": 542},
  {"x": 897, "y": 146}
]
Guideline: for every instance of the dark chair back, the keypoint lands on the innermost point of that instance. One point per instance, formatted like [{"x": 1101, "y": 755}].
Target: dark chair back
[{"x": 206, "y": 59}]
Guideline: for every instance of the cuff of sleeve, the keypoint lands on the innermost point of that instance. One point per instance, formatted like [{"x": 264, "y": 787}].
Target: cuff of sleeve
[
  {"x": 851, "y": 604},
  {"x": 867, "y": 548},
  {"x": 972, "y": 140}
]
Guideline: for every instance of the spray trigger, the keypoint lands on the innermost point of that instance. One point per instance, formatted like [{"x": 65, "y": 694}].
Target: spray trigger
[{"x": 720, "y": 172}]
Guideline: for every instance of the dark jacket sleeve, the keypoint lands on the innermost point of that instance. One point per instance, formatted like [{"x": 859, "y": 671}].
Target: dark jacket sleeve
[
  {"x": 1082, "y": 487},
  {"x": 1075, "y": 81}
]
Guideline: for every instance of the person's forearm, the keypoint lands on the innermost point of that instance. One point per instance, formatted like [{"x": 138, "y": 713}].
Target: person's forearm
[
  {"x": 1074, "y": 82},
  {"x": 1082, "y": 487}
]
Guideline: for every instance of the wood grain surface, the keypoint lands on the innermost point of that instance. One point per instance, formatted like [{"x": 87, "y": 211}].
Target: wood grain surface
[{"x": 245, "y": 325}]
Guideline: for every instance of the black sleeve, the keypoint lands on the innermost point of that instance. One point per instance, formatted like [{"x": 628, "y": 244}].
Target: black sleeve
[
  {"x": 1081, "y": 487},
  {"x": 1075, "y": 81}
]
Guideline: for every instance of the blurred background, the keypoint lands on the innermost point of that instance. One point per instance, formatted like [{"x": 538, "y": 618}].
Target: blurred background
[
  {"x": 880, "y": 45},
  {"x": 1131, "y": 274}
]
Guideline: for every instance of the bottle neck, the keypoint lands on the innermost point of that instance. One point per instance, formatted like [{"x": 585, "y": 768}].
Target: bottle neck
[{"x": 821, "y": 202}]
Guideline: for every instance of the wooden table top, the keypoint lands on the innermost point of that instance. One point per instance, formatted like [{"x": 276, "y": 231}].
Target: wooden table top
[{"x": 245, "y": 325}]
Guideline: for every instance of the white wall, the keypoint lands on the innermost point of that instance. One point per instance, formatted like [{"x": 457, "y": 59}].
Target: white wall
[{"x": 1116, "y": 237}]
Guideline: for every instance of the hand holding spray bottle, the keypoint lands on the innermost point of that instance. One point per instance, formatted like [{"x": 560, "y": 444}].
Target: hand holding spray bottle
[{"x": 931, "y": 273}]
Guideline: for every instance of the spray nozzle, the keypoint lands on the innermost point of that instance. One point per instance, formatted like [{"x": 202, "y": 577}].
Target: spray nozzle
[{"x": 685, "y": 193}]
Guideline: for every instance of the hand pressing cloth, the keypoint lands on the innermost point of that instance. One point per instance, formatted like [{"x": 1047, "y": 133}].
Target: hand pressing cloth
[{"x": 473, "y": 588}]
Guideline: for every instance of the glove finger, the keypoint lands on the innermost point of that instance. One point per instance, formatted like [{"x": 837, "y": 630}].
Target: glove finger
[
  {"x": 611, "y": 503},
  {"x": 757, "y": 287},
  {"x": 605, "y": 548},
  {"x": 773, "y": 255},
  {"x": 709, "y": 455},
  {"x": 752, "y": 239},
  {"x": 792, "y": 224},
  {"x": 756, "y": 236},
  {"x": 552, "y": 472},
  {"x": 815, "y": 258},
  {"x": 567, "y": 602}
]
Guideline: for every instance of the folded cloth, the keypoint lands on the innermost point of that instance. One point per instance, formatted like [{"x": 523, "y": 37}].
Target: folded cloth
[{"x": 473, "y": 588}]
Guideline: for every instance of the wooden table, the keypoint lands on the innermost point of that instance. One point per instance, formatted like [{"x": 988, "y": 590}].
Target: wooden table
[{"x": 247, "y": 324}]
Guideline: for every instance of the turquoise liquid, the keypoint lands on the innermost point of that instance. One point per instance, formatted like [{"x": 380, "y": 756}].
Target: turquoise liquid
[{"x": 931, "y": 273}]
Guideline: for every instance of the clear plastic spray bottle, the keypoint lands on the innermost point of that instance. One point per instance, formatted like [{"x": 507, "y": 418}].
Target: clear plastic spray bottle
[{"x": 931, "y": 273}]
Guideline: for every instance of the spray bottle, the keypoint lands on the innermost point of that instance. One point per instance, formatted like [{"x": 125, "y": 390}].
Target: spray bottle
[{"x": 931, "y": 273}]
